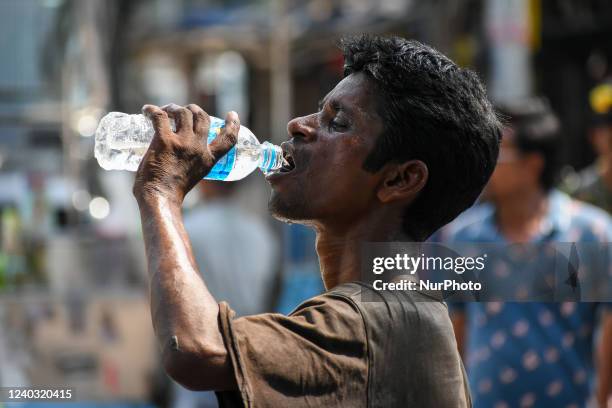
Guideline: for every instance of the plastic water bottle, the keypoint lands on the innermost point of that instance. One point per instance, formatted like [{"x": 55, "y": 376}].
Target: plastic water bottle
[{"x": 123, "y": 139}]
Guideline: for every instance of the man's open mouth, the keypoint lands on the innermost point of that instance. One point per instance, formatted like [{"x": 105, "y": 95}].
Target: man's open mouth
[
  {"x": 288, "y": 162},
  {"x": 288, "y": 165}
]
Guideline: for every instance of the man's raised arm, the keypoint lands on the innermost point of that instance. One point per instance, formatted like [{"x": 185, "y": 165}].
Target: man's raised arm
[{"x": 184, "y": 313}]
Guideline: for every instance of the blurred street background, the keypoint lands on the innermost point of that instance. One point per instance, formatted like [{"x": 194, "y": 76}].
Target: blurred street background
[{"x": 73, "y": 286}]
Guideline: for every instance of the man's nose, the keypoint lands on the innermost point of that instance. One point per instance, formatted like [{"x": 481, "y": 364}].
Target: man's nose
[{"x": 303, "y": 127}]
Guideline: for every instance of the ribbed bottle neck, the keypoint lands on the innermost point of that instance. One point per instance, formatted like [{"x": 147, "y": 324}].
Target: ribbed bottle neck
[{"x": 271, "y": 157}]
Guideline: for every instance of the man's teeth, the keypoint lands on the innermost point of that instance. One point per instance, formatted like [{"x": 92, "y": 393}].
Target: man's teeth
[{"x": 288, "y": 163}]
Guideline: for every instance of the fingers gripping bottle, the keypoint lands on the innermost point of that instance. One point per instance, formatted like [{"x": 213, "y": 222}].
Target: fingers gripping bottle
[{"x": 123, "y": 139}]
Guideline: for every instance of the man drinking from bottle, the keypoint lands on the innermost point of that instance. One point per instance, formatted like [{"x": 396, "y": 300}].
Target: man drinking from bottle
[{"x": 402, "y": 145}]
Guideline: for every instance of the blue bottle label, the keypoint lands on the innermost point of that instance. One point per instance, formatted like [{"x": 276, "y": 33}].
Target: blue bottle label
[
  {"x": 224, "y": 166},
  {"x": 269, "y": 158}
]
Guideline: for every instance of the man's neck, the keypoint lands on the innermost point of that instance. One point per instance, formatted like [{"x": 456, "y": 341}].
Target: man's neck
[
  {"x": 519, "y": 217},
  {"x": 339, "y": 247}
]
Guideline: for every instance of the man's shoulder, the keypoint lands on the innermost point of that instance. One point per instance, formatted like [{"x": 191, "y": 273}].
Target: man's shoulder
[
  {"x": 583, "y": 219},
  {"x": 379, "y": 306},
  {"x": 335, "y": 303},
  {"x": 364, "y": 293}
]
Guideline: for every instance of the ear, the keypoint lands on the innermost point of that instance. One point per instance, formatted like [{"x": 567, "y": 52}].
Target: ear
[{"x": 403, "y": 182}]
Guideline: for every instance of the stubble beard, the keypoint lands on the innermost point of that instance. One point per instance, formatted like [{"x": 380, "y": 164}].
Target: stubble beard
[{"x": 290, "y": 206}]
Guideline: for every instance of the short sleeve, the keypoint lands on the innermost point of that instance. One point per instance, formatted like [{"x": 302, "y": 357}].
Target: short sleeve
[{"x": 316, "y": 356}]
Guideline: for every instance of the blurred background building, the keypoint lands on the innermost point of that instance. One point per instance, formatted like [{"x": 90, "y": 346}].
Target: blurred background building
[{"x": 72, "y": 274}]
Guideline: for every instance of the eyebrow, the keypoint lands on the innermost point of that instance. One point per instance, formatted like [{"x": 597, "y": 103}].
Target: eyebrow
[{"x": 335, "y": 105}]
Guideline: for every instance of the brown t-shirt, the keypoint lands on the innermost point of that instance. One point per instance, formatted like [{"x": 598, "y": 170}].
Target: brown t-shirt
[{"x": 337, "y": 350}]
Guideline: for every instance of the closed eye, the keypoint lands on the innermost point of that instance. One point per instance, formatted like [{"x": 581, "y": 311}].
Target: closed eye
[{"x": 335, "y": 124}]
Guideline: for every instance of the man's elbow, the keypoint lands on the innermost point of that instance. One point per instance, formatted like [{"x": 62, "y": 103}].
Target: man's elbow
[
  {"x": 202, "y": 369},
  {"x": 178, "y": 368}
]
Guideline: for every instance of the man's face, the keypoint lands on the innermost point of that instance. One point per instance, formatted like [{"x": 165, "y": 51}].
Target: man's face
[
  {"x": 515, "y": 173},
  {"x": 326, "y": 182}
]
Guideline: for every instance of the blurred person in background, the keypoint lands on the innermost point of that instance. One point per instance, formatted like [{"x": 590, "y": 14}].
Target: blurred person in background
[
  {"x": 532, "y": 354},
  {"x": 400, "y": 146},
  {"x": 236, "y": 251},
  {"x": 238, "y": 256},
  {"x": 594, "y": 184}
]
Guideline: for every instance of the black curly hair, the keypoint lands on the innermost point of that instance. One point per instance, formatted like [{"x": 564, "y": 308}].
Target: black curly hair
[{"x": 433, "y": 111}]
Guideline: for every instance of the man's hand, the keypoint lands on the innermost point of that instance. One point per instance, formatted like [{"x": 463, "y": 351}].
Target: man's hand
[
  {"x": 176, "y": 161},
  {"x": 185, "y": 315}
]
